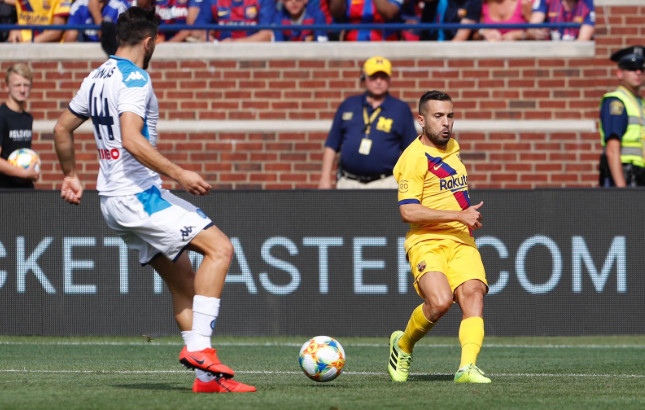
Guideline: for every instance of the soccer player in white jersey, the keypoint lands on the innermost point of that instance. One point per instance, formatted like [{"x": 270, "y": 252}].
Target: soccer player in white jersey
[{"x": 119, "y": 99}]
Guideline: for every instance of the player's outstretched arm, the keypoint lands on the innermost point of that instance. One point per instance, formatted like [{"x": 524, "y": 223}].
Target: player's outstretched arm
[
  {"x": 71, "y": 190},
  {"x": 140, "y": 148}
]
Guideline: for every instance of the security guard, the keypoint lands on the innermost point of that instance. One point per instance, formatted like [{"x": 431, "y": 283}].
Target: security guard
[
  {"x": 370, "y": 131},
  {"x": 622, "y": 123}
]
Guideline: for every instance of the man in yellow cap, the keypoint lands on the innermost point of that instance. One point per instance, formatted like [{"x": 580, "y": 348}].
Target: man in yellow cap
[
  {"x": 622, "y": 123},
  {"x": 369, "y": 131}
]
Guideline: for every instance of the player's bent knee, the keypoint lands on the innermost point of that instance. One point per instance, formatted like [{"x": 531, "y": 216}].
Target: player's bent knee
[
  {"x": 225, "y": 249},
  {"x": 439, "y": 306},
  {"x": 213, "y": 243},
  {"x": 474, "y": 288}
]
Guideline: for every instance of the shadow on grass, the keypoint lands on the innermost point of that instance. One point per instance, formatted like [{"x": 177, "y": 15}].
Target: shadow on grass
[
  {"x": 432, "y": 377},
  {"x": 153, "y": 386}
]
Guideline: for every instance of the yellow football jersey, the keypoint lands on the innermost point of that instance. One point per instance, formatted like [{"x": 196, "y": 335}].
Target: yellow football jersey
[
  {"x": 436, "y": 179},
  {"x": 41, "y": 12}
]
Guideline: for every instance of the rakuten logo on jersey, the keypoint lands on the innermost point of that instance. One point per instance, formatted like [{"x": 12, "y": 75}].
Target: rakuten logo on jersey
[
  {"x": 109, "y": 153},
  {"x": 453, "y": 182}
]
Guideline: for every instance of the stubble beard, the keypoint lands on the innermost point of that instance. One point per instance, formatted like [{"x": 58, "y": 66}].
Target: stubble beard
[{"x": 437, "y": 138}]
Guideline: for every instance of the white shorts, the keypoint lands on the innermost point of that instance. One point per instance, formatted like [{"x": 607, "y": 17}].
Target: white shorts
[{"x": 154, "y": 221}]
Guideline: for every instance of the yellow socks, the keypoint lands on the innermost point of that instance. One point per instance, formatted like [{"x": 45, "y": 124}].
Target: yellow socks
[
  {"x": 418, "y": 326},
  {"x": 471, "y": 337}
]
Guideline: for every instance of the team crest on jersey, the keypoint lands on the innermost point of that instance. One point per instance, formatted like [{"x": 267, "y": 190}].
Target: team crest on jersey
[
  {"x": 251, "y": 12},
  {"x": 421, "y": 266}
]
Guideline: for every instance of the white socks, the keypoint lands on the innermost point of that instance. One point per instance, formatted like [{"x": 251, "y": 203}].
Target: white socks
[{"x": 205, "y": 312}]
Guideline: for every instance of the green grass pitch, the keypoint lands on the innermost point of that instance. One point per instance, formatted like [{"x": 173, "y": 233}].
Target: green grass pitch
[{"x": 134, "y": 373}]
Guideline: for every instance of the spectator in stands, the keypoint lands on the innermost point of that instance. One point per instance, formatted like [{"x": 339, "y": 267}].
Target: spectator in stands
[
  {"x": 40, "y": 12},
  {"x": 107, "y": 34},
  {"x": 172, "y": 12},
  {"x": 370, "y": 131},
  {"x": 622, "y": 111},
  {"x": 7, "y": 16},
  {"x": 507, "y": 12},
  {"x": 367, "y": 11},
  {"x": 297, "y": 12},
  {"x": 237, "y": 13},
  {"x": 323, "y": 6},
  {"x": 80, "y": 14},
  {"x": 16, "y": 128},
  {"x": 450, "y": 11},
  {"x": 191, "y": 36},
  {"x": 411, "y": 14},
  {"x": 563, "y": 11}
]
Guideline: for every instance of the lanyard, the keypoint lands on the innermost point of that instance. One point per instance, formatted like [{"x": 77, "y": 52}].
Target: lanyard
[{"x": 369, "y": 120}]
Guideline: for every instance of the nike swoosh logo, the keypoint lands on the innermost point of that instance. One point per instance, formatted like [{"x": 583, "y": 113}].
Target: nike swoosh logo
[
  {"x": 195, "y": 359},
  {"x": 436, "y": 167}
]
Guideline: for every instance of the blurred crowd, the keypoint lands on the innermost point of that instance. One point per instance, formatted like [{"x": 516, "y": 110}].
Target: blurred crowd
[{"x": 501, "y": 16}]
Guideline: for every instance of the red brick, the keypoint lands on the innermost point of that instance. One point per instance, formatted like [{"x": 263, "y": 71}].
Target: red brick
[{"x": 506, "y": 88}]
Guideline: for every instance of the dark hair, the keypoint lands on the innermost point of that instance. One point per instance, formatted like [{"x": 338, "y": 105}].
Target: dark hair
[
  {"x": 432, "y": 95},
  {"x": 134, "y": 25}
]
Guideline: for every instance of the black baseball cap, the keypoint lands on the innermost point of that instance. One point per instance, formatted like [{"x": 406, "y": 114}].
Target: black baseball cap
[{"x": 630, "y": 58}]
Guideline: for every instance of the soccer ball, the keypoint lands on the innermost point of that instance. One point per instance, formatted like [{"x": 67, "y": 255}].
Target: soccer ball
[
  {"x": 322, "y": 358},
  {"x": 24, "y": 157}
]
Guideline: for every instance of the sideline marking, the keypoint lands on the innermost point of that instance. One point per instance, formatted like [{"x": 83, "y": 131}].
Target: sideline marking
[
  {"x": 624, "y": 376},
  {"x": 290, "y": 344}
]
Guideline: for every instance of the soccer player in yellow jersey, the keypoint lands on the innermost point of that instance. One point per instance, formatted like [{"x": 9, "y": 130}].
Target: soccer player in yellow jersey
[
  {"x": 40, "y": 12},
  {"x": 445, "y": 262}
]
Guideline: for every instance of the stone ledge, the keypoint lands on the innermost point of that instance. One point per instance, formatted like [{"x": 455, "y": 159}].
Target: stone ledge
[
  {"x": 613, "y": 3},
  {"x": 309, "y": 51}
]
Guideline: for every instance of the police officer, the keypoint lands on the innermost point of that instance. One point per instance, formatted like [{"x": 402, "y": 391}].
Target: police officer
[
  {"x": 370, "y": 131},
  {"x": 622, "y": 123}
]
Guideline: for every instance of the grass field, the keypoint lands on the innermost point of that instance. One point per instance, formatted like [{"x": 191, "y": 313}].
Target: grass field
[{"x": 118, "y": 373}]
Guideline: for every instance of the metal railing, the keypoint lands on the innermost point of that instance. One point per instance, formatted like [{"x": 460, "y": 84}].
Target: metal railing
[{"x": 335, "y": 27}]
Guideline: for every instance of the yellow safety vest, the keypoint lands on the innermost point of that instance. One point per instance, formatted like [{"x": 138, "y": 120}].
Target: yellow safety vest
[{"x": 631, "y": 146}]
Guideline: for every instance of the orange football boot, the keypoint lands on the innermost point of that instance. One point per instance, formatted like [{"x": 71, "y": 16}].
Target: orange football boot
[
  {"x": 221, "y": 385},
  {"x": 205, "y": 360}
]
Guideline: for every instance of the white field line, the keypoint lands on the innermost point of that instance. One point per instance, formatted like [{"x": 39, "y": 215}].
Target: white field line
[
  {"x": 568, "y": 375},
  {"x": 287, "y": 344}
]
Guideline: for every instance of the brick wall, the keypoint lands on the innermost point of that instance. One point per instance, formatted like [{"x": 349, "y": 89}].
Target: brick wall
[{"x": 256, "y": 116}]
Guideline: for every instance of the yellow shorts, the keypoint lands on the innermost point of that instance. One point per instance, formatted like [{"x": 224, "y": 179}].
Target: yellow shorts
[{"x": 458, "y": 261}]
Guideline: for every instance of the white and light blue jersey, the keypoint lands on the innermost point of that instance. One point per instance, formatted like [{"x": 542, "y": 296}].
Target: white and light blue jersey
[{"x": 116, "y": 87}]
